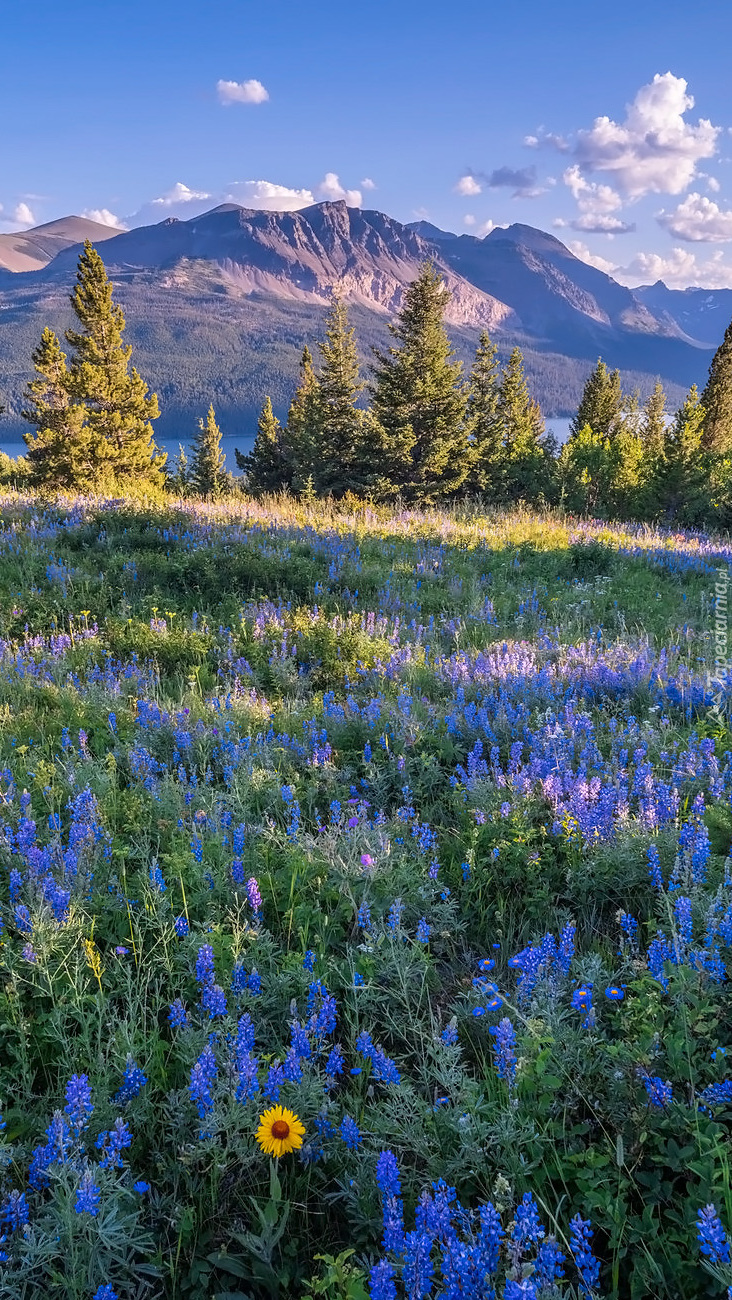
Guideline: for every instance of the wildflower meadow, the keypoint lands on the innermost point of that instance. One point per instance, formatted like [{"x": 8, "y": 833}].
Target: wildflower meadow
[{"x": 366, "y": 904}]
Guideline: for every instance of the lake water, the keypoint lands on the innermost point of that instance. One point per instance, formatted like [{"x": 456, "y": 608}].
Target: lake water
[{"x": 15, "y": 447}]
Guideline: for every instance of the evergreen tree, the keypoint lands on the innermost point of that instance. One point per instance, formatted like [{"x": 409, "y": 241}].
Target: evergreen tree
[
  {"x": 684, "y": 483},
  {"x": 419, "y": 398},
  {"x": 484, "y": 422},
  {"x": 303, "y": 423},
  {"x": 527, "y": 473},
  {"x": 628, "y": 483},
  {"x": 601, "y": 404},
  {"x": 653, "y": 422},
  {"x": 118, "y": 407},
  {"x": 179, "y": 476},
  {"x": 64, "y": 452},
  {"x": 266, "y": 466},
  {"x": 717, "y": 399},
  {"x": 339, "y": 420},
  {"x": 585, "y": 471},
  {"x": 208, "y": 477}
]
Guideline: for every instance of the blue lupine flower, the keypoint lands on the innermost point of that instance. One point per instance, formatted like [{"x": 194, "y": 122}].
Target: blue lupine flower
[
  {"x": 308, "y": 960},
  {"x": 177, "y": 1015},
  {"x": 205, "y": 964},
  {"x": 449, "y": 1034},
  {"x": 203, "y": 1078},
  {"x": 527, "y": 1230},
  {"x": 418, "y": 1268},
  {"x": 87, "y": 1196},
  {"x": 334, "y": 1064},
  {"x": 714, "y": 1243},
  {"x": 105, "y": 1293},
  {"x": 181, "y": 926},
  {"x": 213, "y": 1001},
  {"x": 654, "y": 868},
  {"x": 274, "y": 1081},
  {"x": 389, "y": 1184},
  {"x": 350, "y": 1133},
  {"x": 682, "y": 914},
  {"x": 580, "y": 1246},
  {"x": 141, "y": 1187},
  {"x": 112, "y": 1145},
  {"x": 659, "y": 1093},
  {"x": 14, "y": 1211},
  {"x": 364, "y": 917},
  {"x": 549, "y": 1263},
  {"x": 381, "y": 1281},
  {"x": 506, "y": 1063},
  {"x": 79, "y": 1105},
  {"x": 133, "y": 1081},
  {"x": 423, "y": 931}
]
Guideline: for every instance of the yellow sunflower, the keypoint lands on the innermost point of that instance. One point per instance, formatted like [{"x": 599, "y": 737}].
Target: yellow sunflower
[{"x": 279, "y": 1132}]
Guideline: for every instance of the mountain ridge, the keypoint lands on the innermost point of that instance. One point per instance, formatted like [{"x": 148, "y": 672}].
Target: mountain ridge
[{"x": 218, "y": 306}]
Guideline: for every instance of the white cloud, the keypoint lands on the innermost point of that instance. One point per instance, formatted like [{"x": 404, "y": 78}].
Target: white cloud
[
  {"x": 469, "y": 219},
  {"x": 267, "y": 196},
  {"x": 601, "y": 223},
  {"x": 591, "y": 196},
  {"x": 330, "y": 190},
  {"x": 241, "y": 92},
  {"x": 597, "y": 204},
  {"x": 680, "y": 269},
  {"x": 547, "y": 140},
  {"x": 467, "y": 185},
  {"x": 581, "y": 251},
  {"x": 655, "y": 150},
  {"x": 486, "y": 228},
  {"x": 23, "y": 217},
  {"x": 101, "y": 215},
  {"x": 697, "y": 220},
  {"x": 368, "y": 184},
  {"x": 185, "y": 203}
]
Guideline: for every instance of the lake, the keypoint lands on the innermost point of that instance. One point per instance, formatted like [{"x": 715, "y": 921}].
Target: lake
[{"x": 15, "y": 447}]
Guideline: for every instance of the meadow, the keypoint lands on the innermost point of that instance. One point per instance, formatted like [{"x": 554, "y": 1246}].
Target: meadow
[{"x": 406, "y": 831}]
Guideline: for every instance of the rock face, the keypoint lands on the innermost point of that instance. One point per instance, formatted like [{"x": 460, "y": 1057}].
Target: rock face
[
  {"x": 301, "y": 256},
  {"x": 31, "y": 250},
  {"x": 702, "y": 314},
  {"x": 219, "y": 306}
]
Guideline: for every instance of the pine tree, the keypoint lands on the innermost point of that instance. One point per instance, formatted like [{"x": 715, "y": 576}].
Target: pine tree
[
  {"x": 601, "y": 404},
  {"x": 484, "y": 423},
  {"x": 266, "y": 466},
  {"x": 118, "y": 407},
  {"x": 303, "y": 423},
  {"x": 527, "y": 473},
  {"x": 585, "y": 471},
  {"x": 419, "y": 397},
  {"x": 653, "y": 421},
  {"x": 179, "y": 475},
  {"x": 717, "y": 399},
  {"x": 684, "y": 484},
  {"x": 339, "y": 420},
  {"x": 64, "y": 452},
  {"x": 208, "y": 477}
]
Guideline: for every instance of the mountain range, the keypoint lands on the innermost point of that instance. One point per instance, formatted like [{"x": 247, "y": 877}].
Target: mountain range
[{"x": 218, "y": 307}]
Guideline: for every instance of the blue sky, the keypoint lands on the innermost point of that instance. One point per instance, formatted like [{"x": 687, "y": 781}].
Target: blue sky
[{"x": 572, "y": 117}]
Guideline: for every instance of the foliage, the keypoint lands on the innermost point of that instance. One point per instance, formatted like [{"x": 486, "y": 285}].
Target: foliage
[
  {"x": 413, "y": 824},
  {"x": 717, "y": 399},
  {"x": 92, "y": 415},
  {"x": 207, "y": 475},
  {"x": 419, "y": 399}
]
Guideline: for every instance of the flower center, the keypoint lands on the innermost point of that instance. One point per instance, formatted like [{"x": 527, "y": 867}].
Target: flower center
[{"x": 280, "y": 1129}]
